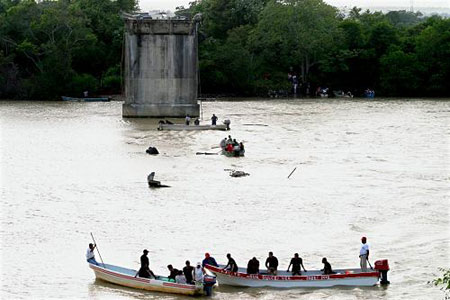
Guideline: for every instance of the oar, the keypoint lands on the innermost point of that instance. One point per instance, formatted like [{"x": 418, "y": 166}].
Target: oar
[
  {"x": 369, "y": 263},
  {"x": 205, "y": 153},
  {"x": 97, "y": 250},
  {"x": 292, "y": 172}
]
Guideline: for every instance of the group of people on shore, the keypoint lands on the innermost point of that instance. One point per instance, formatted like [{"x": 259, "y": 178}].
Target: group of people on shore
[{"x": 231, "y": 146}]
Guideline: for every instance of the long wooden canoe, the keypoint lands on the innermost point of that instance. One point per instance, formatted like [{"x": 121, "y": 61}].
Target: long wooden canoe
[
  {"x": 126, "y": 277},
  {"x": 98, "y": 99},
  {"x": 283, "y": 279}
]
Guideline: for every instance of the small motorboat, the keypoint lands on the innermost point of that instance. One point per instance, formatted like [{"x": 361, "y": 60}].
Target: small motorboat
[
  {"x": 314, "y": 278},
  {"x": 87, "y": 99},
  {"x": 126, "y": 277},
  {"x": 163, "y": 126}
]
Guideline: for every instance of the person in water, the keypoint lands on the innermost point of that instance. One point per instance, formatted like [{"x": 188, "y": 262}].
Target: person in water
[
  {"x": 231, "y": 265},
  {"x": 173, "y": 272},
  {"x": 145, "y": 271},
  {"x": 90, "y": 256},
  {"x": 209, "y": 260},
  {"x": 272, "y": 264},
  {"x": 326, "y": 267},
  {"x": 253, "y": 266},
  {"x": 187, "y": 271},
  {"x": 214, "y": 119},
  {"x": 297, "y": 264}
]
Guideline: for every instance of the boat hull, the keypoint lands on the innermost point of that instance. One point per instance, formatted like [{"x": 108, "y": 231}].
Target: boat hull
[
  {"x": 312, "y": 279},
  {"x": 110, "y": 275},
  {"x": 180, "y": 127}
]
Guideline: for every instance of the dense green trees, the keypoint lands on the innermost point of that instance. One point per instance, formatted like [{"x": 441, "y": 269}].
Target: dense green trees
[
  {"x": 54, "y": 48},
  {"x": 247, "y": 47}
]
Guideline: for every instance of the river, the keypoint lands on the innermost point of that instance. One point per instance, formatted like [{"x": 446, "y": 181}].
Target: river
[{"x": 379, "y": 169}]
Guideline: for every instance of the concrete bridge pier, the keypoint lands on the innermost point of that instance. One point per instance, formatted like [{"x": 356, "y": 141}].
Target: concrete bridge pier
[{"x": 161, "y": 73}]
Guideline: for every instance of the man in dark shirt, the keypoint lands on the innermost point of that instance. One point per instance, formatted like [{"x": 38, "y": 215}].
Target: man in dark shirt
[
  {"x": 173, "y": 272},
  {"x": 145, "y": 271},
  {"x": 253, "y": 266},
  {"x": 209, "y": 260},
  {"x": 297, "y": 263},
  {"x": 231, "y": 266},
  {"x": 272, "y": 264},
  {"x": 326, "y": 267},
  {"x": 214, "y": 119},
  {"x": 187, "y": 271}
]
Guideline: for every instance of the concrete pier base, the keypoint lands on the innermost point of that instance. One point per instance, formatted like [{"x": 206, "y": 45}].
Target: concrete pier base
[
  {"x": 160, "y": 67},
  {"x": 160, "y": 110}
]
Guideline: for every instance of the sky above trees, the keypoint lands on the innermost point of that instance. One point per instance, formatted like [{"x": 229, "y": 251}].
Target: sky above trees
[{"x": 146, "y": 5}]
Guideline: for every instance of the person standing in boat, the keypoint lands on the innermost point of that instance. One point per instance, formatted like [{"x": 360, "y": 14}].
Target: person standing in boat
[
  {"x": 297, "y": 264},
  {"x": 326, "y": 267},
  {"x": 198, "y": 274},
  {"x": 188, "y": 272},
  {"x": 231, "y": 265},
  {"x": 214, "y": 120},
  {"x": 90, "y": 256},
  {"x": 187, "y": 120},
  {"x": 253, "y": 266},
  {"x": 209, "y": 260},
  {"x": 364, "y": 254},
  {"x": 272, "y": 264},
  {"x": 145, "y": 271}
]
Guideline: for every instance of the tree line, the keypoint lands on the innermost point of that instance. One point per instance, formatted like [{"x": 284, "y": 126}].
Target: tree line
[{"x": 246, "y": 47}]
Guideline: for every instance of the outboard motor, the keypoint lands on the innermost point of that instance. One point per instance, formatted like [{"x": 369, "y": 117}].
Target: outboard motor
[
  {"x": 383, "y": 267},
  {"x": 208, "y": 283}
]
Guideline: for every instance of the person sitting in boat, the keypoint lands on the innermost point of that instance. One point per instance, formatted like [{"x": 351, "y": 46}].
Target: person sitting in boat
[
  {"x": 198, "y": 274},
  {"x": 209, "y": 260},
  {"x": 90, "y": 256},
  {"x": 187, "y": 120},
  {"x": 180, "y": 278},
  {"x": 326, "y": 267},
  {"x": 173, "y": 272},
  {"x": 231, "y": 265},
  {"x": 145, "y": 271},
  {"x": 272, "y": 264},
  {"x": 229, "y": 147},
  {"x": 214, "y": 120},
  {"x": 197, "y": 122},
  {"x": 253, "y": 266},
  {"x": 242, "y": 149},
  {"x": 188, "y": 272},
  {"x": 223, "y": 143},
  {"x": 297, "y": 264}
]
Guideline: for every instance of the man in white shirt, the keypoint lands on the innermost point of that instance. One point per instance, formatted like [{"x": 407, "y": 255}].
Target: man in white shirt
[
  {"x": 364, "y": 254},
  {"x": 90, "y": 257}
]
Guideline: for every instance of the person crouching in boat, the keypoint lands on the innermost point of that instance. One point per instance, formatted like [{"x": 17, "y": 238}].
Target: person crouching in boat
[
  {"x": 326, "y": 267},
  {"x": 231, "y": 265},
  {"x": 253, "y": 266},
  {"x": 297, "y": 264},
  {"x": 209, "y": 260},
  {"x": 145, "y": 271},
  {"x": 272, "y": 264},
  {"x": 223, "y": 143},
  {"x": 90, "y": 256},
  {"x": 173, "y": 273}
]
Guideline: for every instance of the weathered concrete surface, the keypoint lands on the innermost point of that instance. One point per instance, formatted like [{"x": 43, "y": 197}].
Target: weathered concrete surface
[{"x": 160, "y": 68}]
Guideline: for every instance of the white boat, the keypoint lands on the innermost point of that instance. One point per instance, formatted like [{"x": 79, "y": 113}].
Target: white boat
[
  {"x": 126, "y": 277},
  {"x": 283, "y": 279},
  {"x": 163, "y": 126}
]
